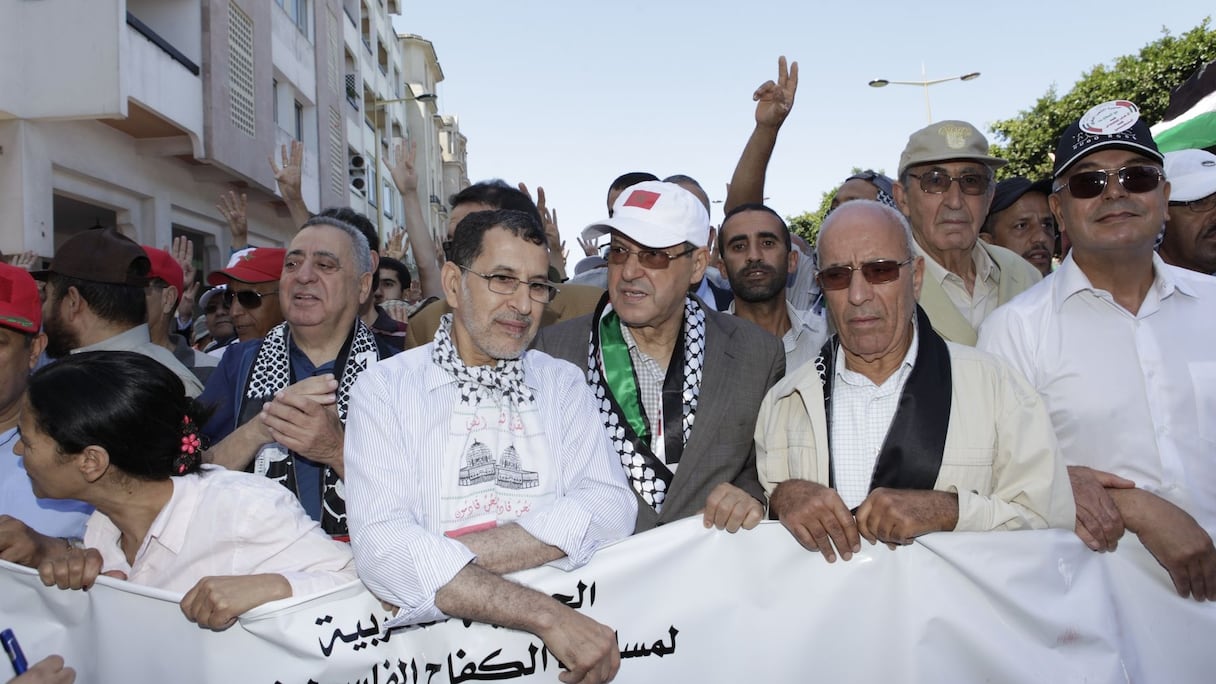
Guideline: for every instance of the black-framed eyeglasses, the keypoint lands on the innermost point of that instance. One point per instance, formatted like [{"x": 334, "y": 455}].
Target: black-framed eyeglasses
[
  {"x": 248, "y": 299},
  {"x": 938, "y": 182},
  {"x": 1089, "y": 184},
  {"x": 1200, "y": 205},
  {"x": 875, "y": 272},
  {"x": 503, "y": 284},
  {"x": 649, "y": 258}
]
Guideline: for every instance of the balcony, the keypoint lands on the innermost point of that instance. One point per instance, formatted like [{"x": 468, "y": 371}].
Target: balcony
[{"x": 141, "y": 75}]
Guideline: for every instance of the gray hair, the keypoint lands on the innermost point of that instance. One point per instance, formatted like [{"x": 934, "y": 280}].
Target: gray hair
[
  {"x": 358, "y": 242},
  {"x": 856, "y": 205}
]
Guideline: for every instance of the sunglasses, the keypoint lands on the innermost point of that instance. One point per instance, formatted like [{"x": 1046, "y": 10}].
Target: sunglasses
[
  {"x": 938, "y": 182},
  {"x": 248, "y": 299},
  {"x": 648, "y": 258},
  {"x": 1090, "y": 184},
  {"x": 875, "y": 272}
]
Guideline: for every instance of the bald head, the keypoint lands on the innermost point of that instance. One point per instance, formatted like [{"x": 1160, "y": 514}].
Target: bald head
[{"x": 868, "y": 212}]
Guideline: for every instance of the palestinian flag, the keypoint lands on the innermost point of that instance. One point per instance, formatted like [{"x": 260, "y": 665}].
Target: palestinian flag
[{"x": 1190, "y": 120}]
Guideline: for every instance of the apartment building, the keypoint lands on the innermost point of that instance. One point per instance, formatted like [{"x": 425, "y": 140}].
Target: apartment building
[{"x": 145, "y": 111}]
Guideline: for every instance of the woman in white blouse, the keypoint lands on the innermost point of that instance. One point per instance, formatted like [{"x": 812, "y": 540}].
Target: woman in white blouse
[{"x": 115, "y": 429}]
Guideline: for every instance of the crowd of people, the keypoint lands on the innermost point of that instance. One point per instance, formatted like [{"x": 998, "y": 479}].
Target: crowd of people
[{"x": 952, "y": 353}]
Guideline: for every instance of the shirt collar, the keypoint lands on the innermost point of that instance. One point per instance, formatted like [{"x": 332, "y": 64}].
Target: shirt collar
[
  {"x": 126, "y": 339},
  {"x": 1069, "y": 279},
  {"x": 855, "y": 378},
  {"x": 985, "y": 268}
]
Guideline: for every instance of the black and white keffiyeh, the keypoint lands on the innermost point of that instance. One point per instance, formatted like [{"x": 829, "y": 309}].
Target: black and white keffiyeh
[
  {"x": 649, "y": 476},
  {"x": 270, "y": 373}
]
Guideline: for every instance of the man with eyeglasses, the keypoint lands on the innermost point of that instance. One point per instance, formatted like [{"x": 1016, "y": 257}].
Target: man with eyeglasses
[
  {"x": 894, "y": 432},
  {"x": 1119, "y": 345},
  {"x": 678, "y": 383},
  {"x": 281, "y": 398},
  {"x": 945, "y": 188},
  {"x": 1020, "y": 221},
  {"x": 471, "y": 457},
  {"x": 1190, "y": 225}
]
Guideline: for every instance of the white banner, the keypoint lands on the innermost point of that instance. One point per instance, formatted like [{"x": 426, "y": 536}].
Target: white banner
[{"x": 689, "y": 605}]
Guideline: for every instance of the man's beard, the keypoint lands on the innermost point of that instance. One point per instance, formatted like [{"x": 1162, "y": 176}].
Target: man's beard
[
  {"x": 758, "y": 291},
  {"x": 61, "y": 340}
]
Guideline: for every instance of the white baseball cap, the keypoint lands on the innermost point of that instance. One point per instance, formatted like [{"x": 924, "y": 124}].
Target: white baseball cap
[
  {"x": 656, "y": 214},
  {"x": 1191, "y": 173}
]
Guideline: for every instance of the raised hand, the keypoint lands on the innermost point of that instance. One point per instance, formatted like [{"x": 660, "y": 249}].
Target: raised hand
[
  {"x": 233, "y": 208},
  {"x": 289, "y": 176},
  {"x": 775, "y": 100},
  {"x": 588, "y": 246},
  {"x": 401, "y": 166},
  {"x": 394, "y": 247}
]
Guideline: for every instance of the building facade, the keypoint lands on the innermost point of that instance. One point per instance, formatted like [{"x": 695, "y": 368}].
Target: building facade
[{"x": 163, "y": 105}]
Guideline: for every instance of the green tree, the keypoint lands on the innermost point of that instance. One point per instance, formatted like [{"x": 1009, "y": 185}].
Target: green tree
[
  {"x": 1145, "y": 78},
  {"x": 807, "y": 223}
]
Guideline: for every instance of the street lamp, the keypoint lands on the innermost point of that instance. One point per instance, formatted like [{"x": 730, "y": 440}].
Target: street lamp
[
  {"x": 924, "y": 83},
  {"x": 377, "y": 109}
]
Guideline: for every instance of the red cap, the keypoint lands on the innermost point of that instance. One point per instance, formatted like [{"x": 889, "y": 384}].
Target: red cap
[
  {"x": 253, "y": 265},
  {"x": 20, "y": 305},
  {"x": 165, "y": 267}
]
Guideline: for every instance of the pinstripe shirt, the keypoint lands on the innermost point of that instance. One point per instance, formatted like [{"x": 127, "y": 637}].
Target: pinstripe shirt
[{"x": 399, "y": 417}]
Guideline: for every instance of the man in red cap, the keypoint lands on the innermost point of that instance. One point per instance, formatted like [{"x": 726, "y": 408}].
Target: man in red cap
[
  {"x": 252, "y": 288},
  {"x": 166, "y": 282},
  {"x": 95, "y": 301},
  {"x": 21, "y": 342}
]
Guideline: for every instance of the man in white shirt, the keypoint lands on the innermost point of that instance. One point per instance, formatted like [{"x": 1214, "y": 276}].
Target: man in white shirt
[
  {"x": 894, "y": 432},
  {"x": 469, "y": 458},
  {"x": 757, "y": 253},
  {"x": 1120, "y": 346}
]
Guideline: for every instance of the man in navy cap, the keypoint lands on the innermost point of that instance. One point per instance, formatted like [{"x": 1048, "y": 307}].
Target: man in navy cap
[{"x": 1119, "y": 345}]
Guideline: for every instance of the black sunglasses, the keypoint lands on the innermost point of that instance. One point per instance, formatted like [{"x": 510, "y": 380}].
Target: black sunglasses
[
  {"x": 875, "y": 272},
  {"x": 248, "y": 299},
  {"x": 1090, "y": 184}
]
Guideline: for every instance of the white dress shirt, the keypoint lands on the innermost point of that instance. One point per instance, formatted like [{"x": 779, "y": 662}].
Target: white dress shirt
[
  {"x": 396, "y": 433},
  {"x": 223, "y": 522},
  {"x": 976, "y": 305},
  {"x": 1131, "y": 394},
  {"x": 805, "y": 339},
  {"x": 861, "y": 417}
]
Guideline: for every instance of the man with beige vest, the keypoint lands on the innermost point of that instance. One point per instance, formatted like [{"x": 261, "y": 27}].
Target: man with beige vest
[{"x": 945, "y": 188}]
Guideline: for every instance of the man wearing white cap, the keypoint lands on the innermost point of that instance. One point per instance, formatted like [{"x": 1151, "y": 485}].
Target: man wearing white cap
[
  {"x": 679, "y": 384},
  {"x": 1119, "y": 345},
  {"x": 1190, "y": 224}
]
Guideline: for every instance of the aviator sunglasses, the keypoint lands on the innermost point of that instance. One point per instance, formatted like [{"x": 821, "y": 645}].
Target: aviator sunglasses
[
  {"x": 248, "y": 299},
  {"x": 1089, "y": 184},
  {"x": 875, "y": 272},
  {"x": 649, "y": 258}
]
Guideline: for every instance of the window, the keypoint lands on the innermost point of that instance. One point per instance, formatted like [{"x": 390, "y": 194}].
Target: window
[
  {"x": 299, "y": 121},
  {"x": 274, "y": 99},
  {"x": 298, "y": 11},
  {"x": 388, "y": 199},
  {"x": 371, "y": 184}
]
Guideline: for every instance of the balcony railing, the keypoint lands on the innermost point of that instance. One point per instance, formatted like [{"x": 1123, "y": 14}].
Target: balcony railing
[{"x": 161, "y": 43}]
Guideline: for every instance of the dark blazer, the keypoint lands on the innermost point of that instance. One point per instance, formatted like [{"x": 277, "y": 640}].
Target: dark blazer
[{"x": 742, "y": 361}]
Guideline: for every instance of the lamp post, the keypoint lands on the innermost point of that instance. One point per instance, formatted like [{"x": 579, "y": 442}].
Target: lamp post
[
  {"x": 377, "y": 108},
  {"x": 925, "y": 83}
]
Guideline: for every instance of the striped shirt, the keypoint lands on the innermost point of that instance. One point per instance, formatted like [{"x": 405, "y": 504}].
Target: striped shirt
[{"x": 396, "y": 428}]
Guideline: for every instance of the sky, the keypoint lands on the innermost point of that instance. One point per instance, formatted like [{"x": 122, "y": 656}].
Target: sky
[{"x": 570, "y": 94}]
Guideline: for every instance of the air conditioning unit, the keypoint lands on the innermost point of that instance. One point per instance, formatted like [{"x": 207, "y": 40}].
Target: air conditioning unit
[
  {"x": 358, "y": 162},
  {"x": 357, "y": 167}
]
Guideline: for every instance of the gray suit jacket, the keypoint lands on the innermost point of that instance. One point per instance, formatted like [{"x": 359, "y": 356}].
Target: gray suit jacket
[{"x": 742, "y": 361}]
